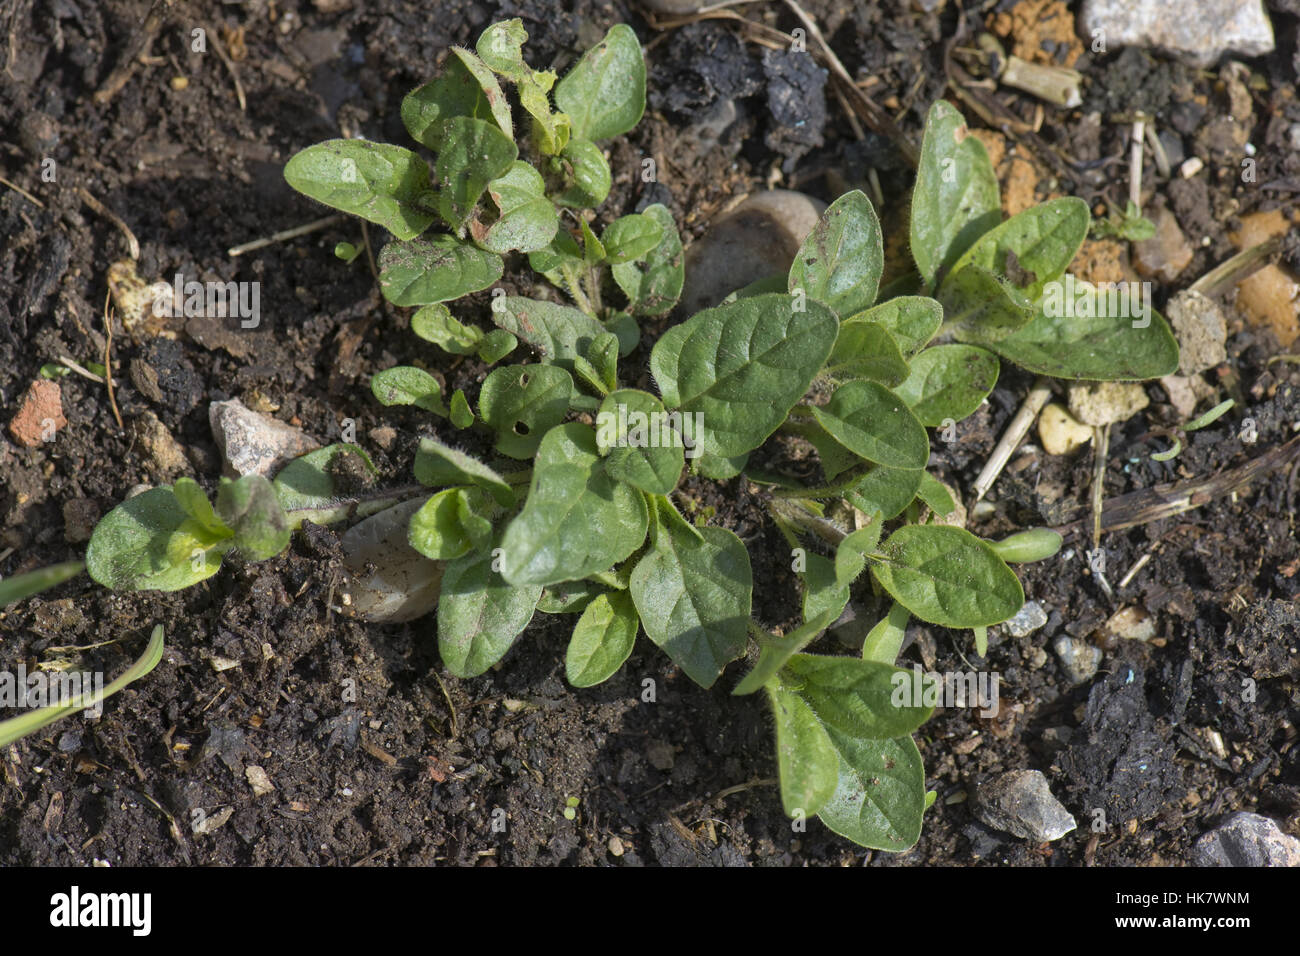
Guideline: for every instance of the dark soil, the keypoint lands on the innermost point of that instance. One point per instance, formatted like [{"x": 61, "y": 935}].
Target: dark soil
[{"x": 375, "y": 754}]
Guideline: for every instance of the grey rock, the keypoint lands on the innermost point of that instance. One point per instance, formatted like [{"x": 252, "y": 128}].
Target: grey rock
[
  {"x": 757, "y": 239},
  {"x": 1020, "y": 802},
  {"x": 1246, "y": 839},
  {"x": 1201, "y": 329},
  {"x": 252, "y": 443},
  {"x": 389, "y": 580},
  {"x": 1027, "y": 620},
  {"x": 1079, "y": 659},
  {"x": 1196, "y": 31}
]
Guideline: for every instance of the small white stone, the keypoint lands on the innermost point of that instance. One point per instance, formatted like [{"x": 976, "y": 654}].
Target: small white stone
[
  {"x": 1027, "y": 620},
  {"x": 1107, "y": 403},
  {"x": 1060, "y": 432}
]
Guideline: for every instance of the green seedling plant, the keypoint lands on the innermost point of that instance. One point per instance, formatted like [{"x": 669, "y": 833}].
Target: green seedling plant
[{"x": 576, "y": 512}]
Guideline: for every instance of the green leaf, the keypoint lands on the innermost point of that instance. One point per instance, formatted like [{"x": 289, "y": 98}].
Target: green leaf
[
  {"x": 1033, "y": 247},
  {"x": 774, "y": 651},
  {"x": 195, "y": 503},
  {"x": 435, "y": 323},
  {"x": 570, "y": 597},
  {"x": 983, "y": 307},
  {"x": 879, "y": 799},
  {"x": 496, "y": 345},
  {"x": 602, "y": 357},
  {"x": 743, "y": 366},
  {"x": 946, "y": 575},
  {"x": 602, "y": 639},
  {"x": 824, "y": 593},
  {"x": 435, "y": 270},
  {"x": 460, "y": 414},
  {"x": 642, "y": 444},
  {"x": 719, "y": 469},
  {"x": 474, "y": 153},
  {"x": 948, "y": 381},
  {"x": 588, "y": 174},
  {"x": 851, "y": 554},
  {"x": 630, "y": 238},
  {"x": 480, "y": 615},
  {"x": 1099, "y": 348},
  {"x": 317, "y": 486},
  {"x": 383, "y": 184},
  {"x": 1036, "y": 544},
  {"x": 604, "y": 93},
  {"x": 855, "y": 697},
  {"x": 408, "y": 385},
  {"x": 501, "y": 46},
  {"x": 956, "y": 196},
  {"x": 20, "y": 586},
  {"x": 562, "y": 254},
  {"x": 884, "y": 642},
  {"x": 593, "y": 252},
  {"x": 866, "y": 350},
  {"x": 911, "y": 319},
  {"x": 559, "y": 333},
  {"x": 447, "y": 525},
  {"x": 653, "y": 287},
  {"x": 577, "y": 520},
  {"x": 526, "y": 219},
  {"x": 149, "y": 543},
  {"x": 840, "y": 262},
  {"x": 250, "y": 506},
  {"x": 806, "y": 759},
  {"x": 16, "y": 728},
  {"x": 437, "y": 466},
  {"x": 694, "y": 596},
  {"x": 466, "y": 88},
  {"x": 521, "y": 403},
  {"x": 886, "y": 490},
  {"x": 874, "y": 423},
  {"x": 935, "y": 495}
]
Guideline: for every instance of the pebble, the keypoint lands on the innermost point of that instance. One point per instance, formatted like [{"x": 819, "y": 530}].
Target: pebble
[
  {"x": 1060, "y": 432},
  {"x": 40, "y": 414},
  {"x": 1107, "y": 403},
  {"x": 1198, "y": 32},
  {"x": 1246, "y": 839},
  {"x": 1270, "y": 296},
  {"x": 1079, "y": 659},
  {"x": 258, "y": 780},
  {"x": 1020, "y": 802},
  {"x": 1166, "y": 254},
  {"x": 756, "y": 239},
  {"x": 1027, "y": 620},
  {"x": 1201, "y": 329},
  {"x": 615, "y": 846},
  {"x": 390, "y": 580},
  {"x": 253, "y": 444},
  {"x": 1131, "y": 623},
  {"x": 164, "y": 451}
]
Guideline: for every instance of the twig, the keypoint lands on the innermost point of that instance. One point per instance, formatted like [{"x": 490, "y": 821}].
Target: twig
[
  {"x": 133, "y": 244},
  {"x": 127, "y": 61},
  {"x": 1135, "y": 163},
  {"x": 22, "y": 192},
  {"x": 84, "y": 372},
  {"x": 108, "y": 361},
  {"x": 1100, "y": 448},
  {"x": 1138, "y": 565},
  {"x": 1158, "y": 152},
  {"x": 283, "y": 235},
  {"x": 1237, "y": 268},
  {"x": 1167, "y": 500},
  {"x": 230, "y": 65},
  {"x": 1016, "y": 430}
]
